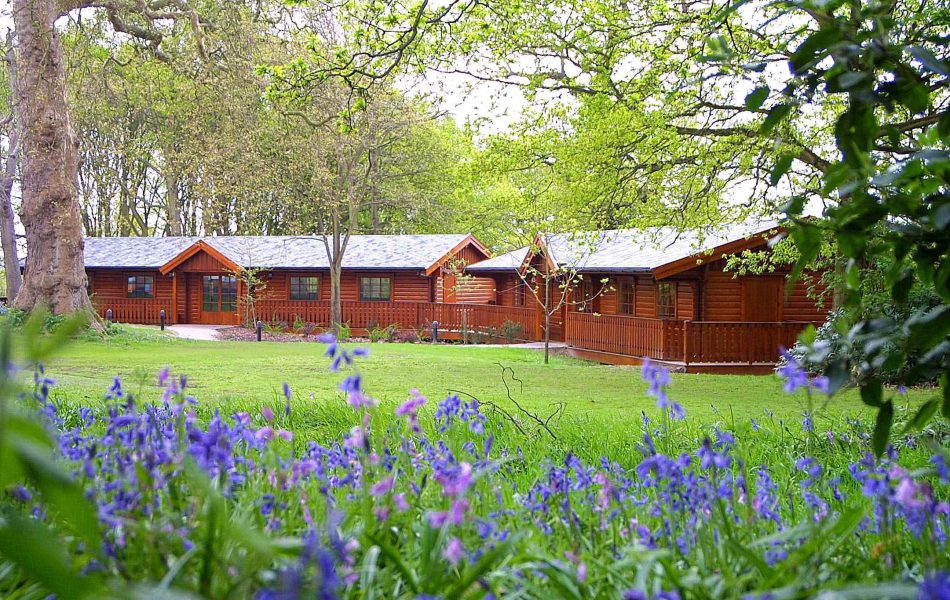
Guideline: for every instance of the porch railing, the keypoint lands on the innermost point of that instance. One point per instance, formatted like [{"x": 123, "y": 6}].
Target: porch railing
[
  {"x": 663, "y": 339},
  {"x": 682, "y": 341},
  {"x": 146, "y": 311}
]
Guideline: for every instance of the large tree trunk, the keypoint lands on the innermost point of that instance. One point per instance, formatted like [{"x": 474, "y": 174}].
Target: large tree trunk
[
  {"x": 54, "y": 275},
  {"x": 11, "y": 262},
  {"x": 172, "y": 200}
]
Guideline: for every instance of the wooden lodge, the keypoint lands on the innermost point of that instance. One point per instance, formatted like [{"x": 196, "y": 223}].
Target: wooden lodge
[
  {"x": 625, "y": 295},
  {"x": 621, "y": 296},
  {"x": 205, "y": 280}
]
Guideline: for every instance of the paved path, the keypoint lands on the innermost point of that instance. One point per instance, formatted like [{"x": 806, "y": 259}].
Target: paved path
[
  {"x": 529, "y": 345},
  {"x": 196, "y": 332}
]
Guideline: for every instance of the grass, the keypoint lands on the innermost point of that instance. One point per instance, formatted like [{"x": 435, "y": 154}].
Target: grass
[{"x": 243, "y": 375}]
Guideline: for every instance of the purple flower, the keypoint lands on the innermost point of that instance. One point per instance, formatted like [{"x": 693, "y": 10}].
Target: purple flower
[
  {"x": 454, "y": 551},
  {"x": 935, "y": 586},
  {"x": 792, "y": 372},
  {"x": 267, "y": 413},
  {"x": 382, "y": 487}
]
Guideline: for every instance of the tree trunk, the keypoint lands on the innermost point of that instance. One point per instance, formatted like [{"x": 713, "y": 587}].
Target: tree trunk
[
  {"x": 55, "y": 275},
  {"x": 11, "y": 262},
  {"x": 336, "y": 301},
  {"x": 547, "y": 319},
  {"x": 172, "y": 200}
]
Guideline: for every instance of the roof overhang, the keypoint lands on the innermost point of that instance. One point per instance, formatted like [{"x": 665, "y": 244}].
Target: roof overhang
[
  {"x": 190, "y": 251},
  {"x": 755, "y": 240},
  {"x": 466, "y": 241}
]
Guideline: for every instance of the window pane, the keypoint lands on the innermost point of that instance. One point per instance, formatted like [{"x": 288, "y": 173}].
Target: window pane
[
  {"x": 210, "y": 286},
  {"x": 304, "y": 288},
  {"x": 666, "y": 300},
  {"x": 374, "y": 288},
  {"x": 140, "y": 286},
  {"x": 627, "y": 304},
  {"x": 228, "y": 294}
]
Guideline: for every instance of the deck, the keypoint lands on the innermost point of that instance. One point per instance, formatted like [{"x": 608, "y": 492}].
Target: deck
[{"x": 688, "y": 346}]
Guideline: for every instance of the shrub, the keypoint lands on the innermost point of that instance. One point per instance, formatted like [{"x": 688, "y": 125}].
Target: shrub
[
  {"x": 384, "y": 334},
  {"x": 344, "y": 331},
  {"x": 832, "y": 343},
  {"x": 511, "y": 331}
]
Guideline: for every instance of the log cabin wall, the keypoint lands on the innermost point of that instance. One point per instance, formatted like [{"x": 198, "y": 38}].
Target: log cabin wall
[
  {"x": 448, "y": 286},
  {"x": 408, "y": 286},
  {"x": 726, "y": 297},
  {"x": 707, "y": 293}
]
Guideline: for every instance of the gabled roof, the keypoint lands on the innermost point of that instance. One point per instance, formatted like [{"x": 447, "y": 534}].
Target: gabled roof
[
  {"x": 503, "y": 262},
  {"x": 389, "y": 252},
  {"x": 663, "y": 251}
]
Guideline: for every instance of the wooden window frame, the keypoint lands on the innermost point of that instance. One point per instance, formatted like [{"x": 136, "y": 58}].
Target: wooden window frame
[
  {"x": 221, "y": 305},
  {"x": 135, "y": 295},
  {"x": 521, "y": 292},
  {"x": 590, "y": 296},
  {"x": 670, "y": 313},
  {"x": 290, "y": 288},
  {"x": 389, "y": 285},
  {"x": 624, "y": 307}
]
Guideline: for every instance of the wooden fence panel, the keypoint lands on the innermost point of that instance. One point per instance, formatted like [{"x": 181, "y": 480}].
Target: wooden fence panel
[
  {"x": 632, "y": 336},
  {"x": 738, "y": 342}
]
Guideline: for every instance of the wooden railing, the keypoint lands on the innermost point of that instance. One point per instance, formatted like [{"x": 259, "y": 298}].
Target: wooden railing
[
  {"x": 663, "y": 339},
  {"x": 146, "y": 311},
  {"x": 738, "y": 342},
  {"x": 407, "y": 315},
  {"x": 682, "y": 341},
  {"x": 618, "y": 334}
]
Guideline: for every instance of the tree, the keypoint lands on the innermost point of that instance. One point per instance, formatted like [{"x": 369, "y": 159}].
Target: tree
[
  {"x": 887, "y": 66},
  {"x": 11, "y": 261},
  {"x": 50, "y": 212}
]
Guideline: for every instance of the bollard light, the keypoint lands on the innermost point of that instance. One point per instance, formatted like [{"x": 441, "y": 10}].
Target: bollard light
[
  {"x": 109, "y": 316},
  {"x": 260, "y": 329},
  {"x": 161, "y": 317},
  {"x": 435, "y": 332}
]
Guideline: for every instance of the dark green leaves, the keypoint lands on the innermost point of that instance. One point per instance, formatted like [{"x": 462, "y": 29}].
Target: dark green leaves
[
  {"x": 776, "y": 115},
  {"x": 814, "y": 48},
  {"x": 756, "y": 98},
  {"x": 882, "y": 428}
]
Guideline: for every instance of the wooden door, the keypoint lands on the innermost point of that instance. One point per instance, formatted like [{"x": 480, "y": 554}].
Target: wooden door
[
  {"x": 219, "y": 302},
  {"x": 762, "y": 299}
]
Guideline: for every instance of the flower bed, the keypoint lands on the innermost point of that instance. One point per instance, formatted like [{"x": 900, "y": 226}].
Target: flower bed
[{"x": 416, "y": 501}]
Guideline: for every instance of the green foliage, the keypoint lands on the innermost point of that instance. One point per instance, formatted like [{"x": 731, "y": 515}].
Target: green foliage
[
  {"x": 343, "y": 331},
  {"x": 511, "y": 331},
  {"x": 889, "y": 204},
  {"x": 384, "y": 334}
]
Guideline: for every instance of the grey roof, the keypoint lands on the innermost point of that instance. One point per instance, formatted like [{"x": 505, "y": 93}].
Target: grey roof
[
  {"x": 276, "y": 252},
  {"x": 641, "y": 249},
  {"x": 503, "y": 262}
]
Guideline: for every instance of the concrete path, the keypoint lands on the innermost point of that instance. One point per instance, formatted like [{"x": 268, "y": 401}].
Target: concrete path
[
  {"x": 529, "y": 345},
  {"x": 196, "y": 332}
]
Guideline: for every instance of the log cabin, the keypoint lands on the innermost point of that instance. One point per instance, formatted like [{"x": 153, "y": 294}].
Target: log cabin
[
  {"x": 661, "y": 294},
  {"x": 207, "y": 279}
]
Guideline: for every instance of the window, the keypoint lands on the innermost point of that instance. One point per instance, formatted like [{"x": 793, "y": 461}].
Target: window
[
  {"x": 140, "y": 286},
  {"x": 666, "y": 300},
  {"x": 590, "y": 296},
  {"x": 627, "y": 300},
  {"x": 219, "y": 293},
  {"x": 304, "y": 288},
  {"x": 520, "y": 293},
  {"x": 374, "y": 289}
]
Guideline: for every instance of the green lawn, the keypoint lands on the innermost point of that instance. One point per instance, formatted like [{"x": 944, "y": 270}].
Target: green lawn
[{"x": 243, "y": 375}]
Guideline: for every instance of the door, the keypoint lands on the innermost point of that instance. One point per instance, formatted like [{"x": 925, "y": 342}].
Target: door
[
  {"x": 762, "y": 299},
  {"x": 219, "y": 300}
]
